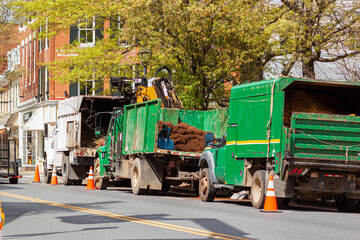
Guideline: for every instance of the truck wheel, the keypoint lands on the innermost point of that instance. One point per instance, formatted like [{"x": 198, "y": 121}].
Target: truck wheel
[
  {"x": 258, "y": 186},
  {"x": 207, "y": 191},
  {"x": 13, "y": 180},
  {"x": 65, "y": 172},
  {"x": 136, "y": 178},
  {"x": 347, "y": 205},
  {"x": 47, "y": 173},
  {"x": 100, "y": 183}
]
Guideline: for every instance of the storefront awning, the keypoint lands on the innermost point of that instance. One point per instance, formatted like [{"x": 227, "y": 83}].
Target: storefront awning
[
  {"x": 3, "y": 120},
  {"x": 2, "y": 131},
  {"x": 36, "y": 121},
  {"x": 13, "y": 120}
]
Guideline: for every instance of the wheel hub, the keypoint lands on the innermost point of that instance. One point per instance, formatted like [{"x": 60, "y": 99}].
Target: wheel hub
[{"x": 204, "y": 185}]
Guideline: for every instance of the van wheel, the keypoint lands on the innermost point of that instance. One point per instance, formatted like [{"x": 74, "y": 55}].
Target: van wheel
[
  {"x": 100, "y": 183},
  {"x": 136, "y": 178},
  {"x": 258, "y": 186},
  {"x": 207, "y": 191}
]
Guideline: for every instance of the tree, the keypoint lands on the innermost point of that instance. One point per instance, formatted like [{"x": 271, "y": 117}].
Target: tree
[
  {"x": 7, "y": 32},
  {"x": 206, "y": 43},
  {"x": 320, "y": 30}
]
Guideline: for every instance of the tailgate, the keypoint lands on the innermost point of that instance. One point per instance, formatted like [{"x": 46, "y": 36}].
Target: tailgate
[{"x": 319, "y": 137}]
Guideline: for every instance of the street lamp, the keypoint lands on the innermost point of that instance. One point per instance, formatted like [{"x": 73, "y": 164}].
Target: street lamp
[{"x": 145, "y": 56}]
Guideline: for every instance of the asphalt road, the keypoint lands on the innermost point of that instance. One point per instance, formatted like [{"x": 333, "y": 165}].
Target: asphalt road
[{"x": 40, "y": 211}]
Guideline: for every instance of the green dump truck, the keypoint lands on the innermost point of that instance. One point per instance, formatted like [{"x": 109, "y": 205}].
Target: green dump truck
[
  {"x": 306, "y": 133},
  {"x": 131, "y": 150}
]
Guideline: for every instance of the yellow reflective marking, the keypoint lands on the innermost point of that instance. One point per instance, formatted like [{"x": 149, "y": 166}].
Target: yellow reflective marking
[
  {"x": 128, "y": 218},
  {"x": 257, "y": 142},
  {"x": 230, "y": 143}
]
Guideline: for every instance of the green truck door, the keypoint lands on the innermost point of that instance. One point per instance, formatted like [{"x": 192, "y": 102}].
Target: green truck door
[{"x": 230, "y": 153}]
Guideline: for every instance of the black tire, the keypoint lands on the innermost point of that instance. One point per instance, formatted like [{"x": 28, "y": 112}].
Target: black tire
[
  {"x": 136, "y": 178},
  {"x": 207, "y": 191},
  {"x": 100, "y": 183},
  {"x": 258, "y": 189},
  {"x": 13, "y": 180},
  {"x": 65, "y": 171},
  {"x": 165, "y": 187},
  {"x": 347, "y": 205},
  {"x": 47, "y": 173}
]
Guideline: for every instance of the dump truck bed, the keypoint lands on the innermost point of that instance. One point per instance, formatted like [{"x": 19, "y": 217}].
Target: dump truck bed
[{"x": 141, "y": 126}]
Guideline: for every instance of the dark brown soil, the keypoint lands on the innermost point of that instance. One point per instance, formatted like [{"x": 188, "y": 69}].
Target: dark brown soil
[
  {"x": 186, "y": 138},
  {"x": 300, "y": 101}
]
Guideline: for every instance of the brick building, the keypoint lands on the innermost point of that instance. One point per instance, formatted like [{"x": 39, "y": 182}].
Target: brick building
[{"x": 39, "y": 95}]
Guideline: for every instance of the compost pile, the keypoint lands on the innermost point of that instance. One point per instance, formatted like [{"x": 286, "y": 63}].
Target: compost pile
[
  {"x": 88, "y": 139},
  {"x": 186, "y": 138},
  {"x": 300, "y": 101}
]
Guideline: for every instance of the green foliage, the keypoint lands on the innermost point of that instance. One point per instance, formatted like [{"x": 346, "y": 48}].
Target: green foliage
[{"x": 208, "y": 44}]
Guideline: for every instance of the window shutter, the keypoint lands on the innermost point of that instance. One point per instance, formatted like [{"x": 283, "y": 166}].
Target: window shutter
[
  {"x": 99, "y": 86},
  {"x": 39, "y": 81},
  {"x": 73, "y": 89},
  {"x": 99, "y": 29},
  {"x": 74, "y": 34}
]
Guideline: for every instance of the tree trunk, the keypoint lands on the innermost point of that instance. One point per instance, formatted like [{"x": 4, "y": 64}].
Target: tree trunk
[{"x": 308, "y": 69}]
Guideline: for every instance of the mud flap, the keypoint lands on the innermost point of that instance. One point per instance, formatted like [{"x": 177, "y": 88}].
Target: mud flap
[
  {"x": 151, "y": 172},
  {"x": 77, "y": 172},
  {"x": 284, "y": 188}
]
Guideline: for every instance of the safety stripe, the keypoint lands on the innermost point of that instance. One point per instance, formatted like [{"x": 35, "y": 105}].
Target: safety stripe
[
  {"x": 230, "y": 143},
  {"x": 253, "y": 142},
  {"x": 270, "y": 194}
]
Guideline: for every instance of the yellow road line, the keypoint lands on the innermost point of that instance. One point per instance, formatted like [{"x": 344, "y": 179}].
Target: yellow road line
[{"x": 129, "y": 219}]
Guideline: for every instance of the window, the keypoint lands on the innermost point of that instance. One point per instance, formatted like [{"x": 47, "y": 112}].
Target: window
[
  {"x": 26, "y": 62},
  {"x": 34, "y": 61},
  {"x": 90, "y": 87},
  {"x": 30, "y": 62},
  {"x": 116, "y": 25},
  {"x": 43, "y": 42},
  {"x": 42, "y": 81},
  {"x": 87, "y": 32}
]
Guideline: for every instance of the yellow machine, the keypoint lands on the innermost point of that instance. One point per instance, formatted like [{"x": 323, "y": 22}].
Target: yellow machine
[
  {"x": 144, "y": 94},
  {"x": 139, "y": 91}
]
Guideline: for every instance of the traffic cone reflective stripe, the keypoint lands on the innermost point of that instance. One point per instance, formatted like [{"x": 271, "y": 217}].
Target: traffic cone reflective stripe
[
  {"x": 90, "y": 183},
  {"x": 37, "y": 176},
  {"x": 270, "y": 200},
  {"x": 54, "y": 180}
]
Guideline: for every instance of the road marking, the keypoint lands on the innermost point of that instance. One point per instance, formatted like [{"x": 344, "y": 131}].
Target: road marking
[{"x": 128, "y": 218}]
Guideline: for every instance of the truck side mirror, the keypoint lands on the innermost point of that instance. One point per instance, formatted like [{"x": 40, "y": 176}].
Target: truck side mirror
[
  {"x": 209, "y": 138},
  {"x": 97, "y": 124}
]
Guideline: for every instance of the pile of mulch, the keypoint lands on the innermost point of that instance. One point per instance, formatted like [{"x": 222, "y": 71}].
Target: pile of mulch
[
  {"x": 300, "y": 101},
  {"x": 186, "y": 138}
]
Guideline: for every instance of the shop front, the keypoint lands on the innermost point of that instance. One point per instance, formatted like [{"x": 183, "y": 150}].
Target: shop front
[{"x": 31, "y": 132}]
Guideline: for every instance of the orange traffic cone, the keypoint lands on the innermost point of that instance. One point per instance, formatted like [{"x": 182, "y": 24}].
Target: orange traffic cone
[
  {"x": 37, "y": 176},
  {"x": 54, "y": 180},
  {"x": 90, "y": 183},
  {"x": 270, "y": 200}
]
